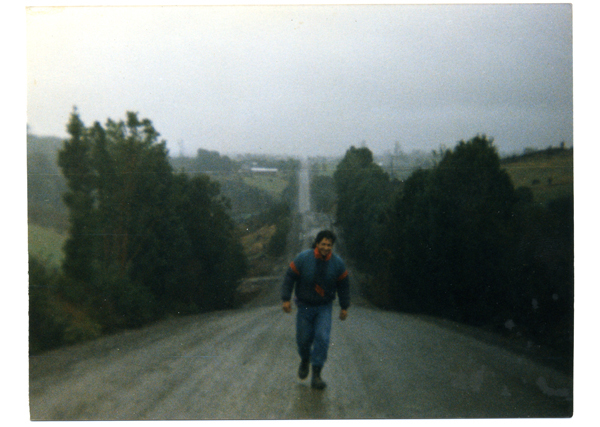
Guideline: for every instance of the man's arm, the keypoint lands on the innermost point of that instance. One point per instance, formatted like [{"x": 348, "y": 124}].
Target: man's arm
[
  {"x": 343, "y": 291},
  {"x": 287, "y": 287}
]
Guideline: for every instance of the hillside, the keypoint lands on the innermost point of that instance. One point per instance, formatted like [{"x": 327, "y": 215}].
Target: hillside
[
  {"x": 45, "y": 184},
  {"x": 548, "y": 173},
  {"x": 46, "y": 245}
]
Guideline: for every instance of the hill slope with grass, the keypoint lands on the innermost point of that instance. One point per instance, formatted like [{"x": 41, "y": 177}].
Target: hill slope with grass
[{"x": 548, "y": 173}]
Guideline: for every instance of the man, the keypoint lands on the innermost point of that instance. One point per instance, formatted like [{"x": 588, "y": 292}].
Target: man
[{"x": 316, "y": 275}]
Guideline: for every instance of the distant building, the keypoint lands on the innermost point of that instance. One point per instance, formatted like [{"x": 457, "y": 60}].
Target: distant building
[{"x": 271, "y": 171}]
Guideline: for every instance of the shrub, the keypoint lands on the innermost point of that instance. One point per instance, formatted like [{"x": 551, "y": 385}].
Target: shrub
[{"x": 53, "y": 321}]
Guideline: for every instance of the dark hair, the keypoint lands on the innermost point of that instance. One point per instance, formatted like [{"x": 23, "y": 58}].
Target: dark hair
[{"x": 324, "y": 234}]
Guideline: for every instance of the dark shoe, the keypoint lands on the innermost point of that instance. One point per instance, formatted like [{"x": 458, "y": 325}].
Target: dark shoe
[
  {"x": 316, "y": 381},
  {"x": 303, "y": 369}
]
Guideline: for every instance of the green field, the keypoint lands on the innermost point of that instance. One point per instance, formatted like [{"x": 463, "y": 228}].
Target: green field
[
  {"x": 272, "y": 184},
  {"x": 46, "y": 245},
  {"x": 548, "y": 176}
]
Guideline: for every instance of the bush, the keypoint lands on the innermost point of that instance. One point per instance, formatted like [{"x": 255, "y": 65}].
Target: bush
[
  {"x": 52, "y": 320},
  {"x": 46, "y": 326},
  {"x": 80, "y": 327},
  {"x": 278, "y": 242},
  {"x": 119, "y": 303}
]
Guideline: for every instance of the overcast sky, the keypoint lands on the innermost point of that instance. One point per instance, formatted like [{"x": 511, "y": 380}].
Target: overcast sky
[{"x": 308, "y": 80}]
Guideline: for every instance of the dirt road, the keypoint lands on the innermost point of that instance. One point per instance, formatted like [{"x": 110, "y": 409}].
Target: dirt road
[{"x": 242, "y": 365}]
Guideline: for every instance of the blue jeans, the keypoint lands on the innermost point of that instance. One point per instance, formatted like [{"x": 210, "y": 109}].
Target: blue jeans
[{"x": 313, "y": 328}]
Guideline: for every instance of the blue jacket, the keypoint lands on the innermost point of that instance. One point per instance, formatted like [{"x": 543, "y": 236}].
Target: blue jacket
[{"x": 317, "y": 279}]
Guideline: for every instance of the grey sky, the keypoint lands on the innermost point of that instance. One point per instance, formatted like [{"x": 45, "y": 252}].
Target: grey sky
[{"x": 308, "y": 80}]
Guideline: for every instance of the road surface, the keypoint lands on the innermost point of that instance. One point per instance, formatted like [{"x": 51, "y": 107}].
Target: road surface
[{"x": 242, "y": 364}]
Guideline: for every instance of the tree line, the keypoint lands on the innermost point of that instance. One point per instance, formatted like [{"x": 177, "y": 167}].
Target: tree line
[
  {"x": 458, "y": 241},
  {"x": 143, "y": 241}
]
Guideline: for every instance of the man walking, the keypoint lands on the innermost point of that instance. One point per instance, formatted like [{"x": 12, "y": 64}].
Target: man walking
[{"x": 316, "y": 275}]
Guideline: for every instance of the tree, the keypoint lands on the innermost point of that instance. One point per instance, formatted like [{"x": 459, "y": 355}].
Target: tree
[
  {"x": 144, "y": 241},
  {"x": 455, "y": 233},
  {"x": 75, "y": 160},
  {"x": 211, "y": 162},
  {"x": 215, "y": 261},
  {"x": 363, "y": 191},
  {"x": 408, "y": 245}
]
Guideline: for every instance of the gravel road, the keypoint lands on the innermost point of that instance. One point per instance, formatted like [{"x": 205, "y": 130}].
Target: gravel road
[{"x": 241, "y": 364}]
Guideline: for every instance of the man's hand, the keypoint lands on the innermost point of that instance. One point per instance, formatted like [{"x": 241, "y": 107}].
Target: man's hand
[
  {"x": 287, "y": 306},
  {"x": 343, "y": 314}
]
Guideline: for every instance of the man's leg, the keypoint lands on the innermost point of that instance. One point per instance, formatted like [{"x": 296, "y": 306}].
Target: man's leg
[
  {"x": 305, "y": 334},
  {"x": 322, "y": 332},
  {"x": 321, "y": 343}
]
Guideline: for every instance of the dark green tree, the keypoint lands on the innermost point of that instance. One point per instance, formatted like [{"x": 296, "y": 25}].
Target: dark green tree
[
  {"x": 471, "y": 200},
  {"x": 363, "y": 190},
  {"x": 144, "y": 241},
  {"x": 408, "y": 245},
  {"x": 215, "y": 260},
  {"x": 75, "y": 160},
  {"x": 212, "y": 162},
  {"x": 454, "y": 234}
]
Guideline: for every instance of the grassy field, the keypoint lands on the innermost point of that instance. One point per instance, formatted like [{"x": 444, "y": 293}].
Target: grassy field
[
  {"x": 46, "y": 245},
  {"x": 272, "y": 184},
  {"x": 548, "y": 176}
]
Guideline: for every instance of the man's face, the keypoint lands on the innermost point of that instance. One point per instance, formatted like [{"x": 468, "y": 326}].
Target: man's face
[{"x": 324, "y": 247}]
